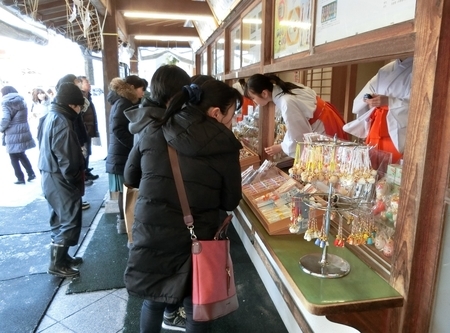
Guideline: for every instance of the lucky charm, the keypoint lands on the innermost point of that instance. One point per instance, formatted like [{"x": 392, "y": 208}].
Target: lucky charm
[
  {"x": 388, "y": 248},
  {"x": 381, "y": 190},
  {"x": 380, "y": 241}
]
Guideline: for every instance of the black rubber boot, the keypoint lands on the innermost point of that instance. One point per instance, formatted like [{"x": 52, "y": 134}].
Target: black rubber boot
[
  {"x": 59, "y": 265},
  {"x": 74, "y": 261}
]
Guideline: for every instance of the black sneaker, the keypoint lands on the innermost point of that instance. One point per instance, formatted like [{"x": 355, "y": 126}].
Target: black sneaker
[
  {"x": 85, "y": 205},
  {"x": 90, "y": 176},
  {"x": 19, "y": 182},
  {"x": 175, "y": 321},
  {"x": 30, "y": 178}
]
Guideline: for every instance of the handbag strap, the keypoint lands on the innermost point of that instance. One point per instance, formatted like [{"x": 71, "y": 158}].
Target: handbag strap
[{"x": 188, "y": 219}]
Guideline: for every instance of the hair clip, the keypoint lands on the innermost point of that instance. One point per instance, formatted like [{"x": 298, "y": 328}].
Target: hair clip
[{"x": 194, "y": 93}]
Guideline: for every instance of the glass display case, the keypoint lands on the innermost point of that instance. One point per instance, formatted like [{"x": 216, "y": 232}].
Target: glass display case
[
  {"x": 251, "y": 36},
  {"x": 205, "y": 28},
  {"x": 204, "y": 63},
  {"x": 218, "y": 57},
  {"x": 221, "y": 8},
  {"x": 213, "y": 58},
  {"x": 235, "y": 48}
]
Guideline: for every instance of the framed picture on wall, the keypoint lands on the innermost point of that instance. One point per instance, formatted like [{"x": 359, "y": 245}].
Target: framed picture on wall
[{"x": 292, "y": 24}]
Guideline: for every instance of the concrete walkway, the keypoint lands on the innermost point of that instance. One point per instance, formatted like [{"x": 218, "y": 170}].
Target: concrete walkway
[{"x": 101, "y": 311}]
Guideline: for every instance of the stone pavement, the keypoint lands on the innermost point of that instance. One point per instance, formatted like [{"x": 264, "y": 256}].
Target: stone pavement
[{"x": 26, "y": 290}]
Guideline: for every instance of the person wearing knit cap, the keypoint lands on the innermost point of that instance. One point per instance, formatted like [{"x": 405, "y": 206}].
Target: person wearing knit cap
[
  {"x": 69, "y": 94},
  {"x": 62, "y": 165},
  {"x": 79, "y": 125},
  {"x": 69, "y": 78}
]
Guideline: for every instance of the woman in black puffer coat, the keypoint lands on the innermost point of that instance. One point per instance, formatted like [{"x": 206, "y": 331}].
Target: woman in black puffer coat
[
  {"x": 158, "y": 265},
  {"x": 16, "y": 132},
  {"x": 123, "y": 94}
]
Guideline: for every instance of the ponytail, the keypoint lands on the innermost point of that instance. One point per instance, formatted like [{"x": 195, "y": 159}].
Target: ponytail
[
  {"x": 175, "y": 105},
  {"x": 212, "y": 93},
  {"x": 259, "y": 82}
]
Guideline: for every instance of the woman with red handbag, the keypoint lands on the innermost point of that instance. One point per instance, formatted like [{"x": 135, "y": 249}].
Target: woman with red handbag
[{"x": 197, "y": 125}]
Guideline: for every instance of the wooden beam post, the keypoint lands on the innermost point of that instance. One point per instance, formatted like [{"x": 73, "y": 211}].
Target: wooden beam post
[
  {"x": 418, "y": 237},
  {"x": 110, "y": 55}
]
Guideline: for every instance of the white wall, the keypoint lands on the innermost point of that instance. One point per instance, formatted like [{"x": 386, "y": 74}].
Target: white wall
[{"x": 439, "y": 319}]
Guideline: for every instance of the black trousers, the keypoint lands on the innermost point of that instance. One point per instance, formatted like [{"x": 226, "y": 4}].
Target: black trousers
[
  {"x": 64, "y": 202},
  {"x": 18, "y": 158},
  {"x": 88, "y": 146}
]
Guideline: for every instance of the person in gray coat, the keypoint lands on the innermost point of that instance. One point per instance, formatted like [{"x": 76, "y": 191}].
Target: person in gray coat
[
  {"x": 62, "y": 168},
  {"x": 16, "y": 132}
]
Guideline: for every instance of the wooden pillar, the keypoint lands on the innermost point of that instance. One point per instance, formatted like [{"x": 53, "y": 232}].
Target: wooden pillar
[
  {"x": 343, "y": 90},
  {"x": 134, "y": 64},
  {"x": 418, "y": 237},
  {"x": 110, "y": 55},
  {"x": 337, "y": 97},
  {"x": 209, "y": 59},
  {"x": 267, "y": 33},
  {"x": 350, "y": 93},
  {"x": 266, "y": 125}
]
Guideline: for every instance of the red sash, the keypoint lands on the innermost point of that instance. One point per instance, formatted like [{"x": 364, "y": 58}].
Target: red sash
[
  {"x": 245, "y": 104},
  {"x": 379, "y": 133},
  {"x": 331, "y": 119}
]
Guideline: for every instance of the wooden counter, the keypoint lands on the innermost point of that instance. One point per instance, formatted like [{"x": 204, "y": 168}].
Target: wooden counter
[{"x": 361, "y": 290}]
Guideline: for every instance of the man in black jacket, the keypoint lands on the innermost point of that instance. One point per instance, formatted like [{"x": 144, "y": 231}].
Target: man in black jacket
[
  {"x": 90, "y": 122},
  {"x": 62, "y": 166},
  {"x": 79, "y": 127}
]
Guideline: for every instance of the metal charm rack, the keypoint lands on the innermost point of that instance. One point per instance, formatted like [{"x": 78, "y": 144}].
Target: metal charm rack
[{"x": 326, "y": 265}]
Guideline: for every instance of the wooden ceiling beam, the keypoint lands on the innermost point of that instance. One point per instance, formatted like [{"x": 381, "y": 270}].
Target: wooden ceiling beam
[
  {"x": 56, "y": 16},
  {"x": 53, "y": 5},
  {"x": 172, "y": 7},
  {"x": 59, "y": 5},
  {"x": 166, "y": 31},
  {"x": 168, "y": 44},
  {"x": 122, "y": 28},
  {"x": 101, "y": 8}
]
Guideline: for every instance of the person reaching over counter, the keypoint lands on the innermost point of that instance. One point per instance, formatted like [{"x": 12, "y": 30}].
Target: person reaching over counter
[{"x": 301, "y": 109}]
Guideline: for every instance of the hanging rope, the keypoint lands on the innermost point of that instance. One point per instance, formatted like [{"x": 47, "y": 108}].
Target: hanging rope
[{"x": 86, "y": 19}]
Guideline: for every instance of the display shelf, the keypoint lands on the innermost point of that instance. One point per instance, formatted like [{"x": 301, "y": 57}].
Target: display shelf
[
  {"x": 248, "y": 158},
  {"x": 361, "y": 290},
  {"x": 281, "y": 226}
]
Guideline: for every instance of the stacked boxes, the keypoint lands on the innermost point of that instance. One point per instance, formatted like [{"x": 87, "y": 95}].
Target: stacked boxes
[{"x": 394, "y": 174}]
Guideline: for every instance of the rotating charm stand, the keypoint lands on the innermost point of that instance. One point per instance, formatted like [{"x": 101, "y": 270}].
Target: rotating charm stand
[{"x": 327, "y": 265}]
